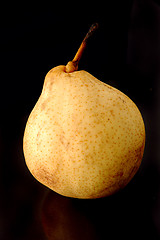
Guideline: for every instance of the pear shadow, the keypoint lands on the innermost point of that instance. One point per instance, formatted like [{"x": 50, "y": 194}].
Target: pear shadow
[
  {"x": 91, "y": 219},
  {"x": 63, "y": 218}
]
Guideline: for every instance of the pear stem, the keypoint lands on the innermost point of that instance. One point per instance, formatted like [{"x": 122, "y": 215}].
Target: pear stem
[{"x": 73, "y": 65}]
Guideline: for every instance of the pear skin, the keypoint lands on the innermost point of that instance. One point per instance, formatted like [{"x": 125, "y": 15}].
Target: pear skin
[{"x": 84, "y": 138}]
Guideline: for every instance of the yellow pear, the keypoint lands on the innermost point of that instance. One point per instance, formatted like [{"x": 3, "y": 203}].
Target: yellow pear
[{"x": 83, "y": 138}]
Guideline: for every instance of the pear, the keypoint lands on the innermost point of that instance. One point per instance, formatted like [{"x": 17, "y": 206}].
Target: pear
[{"x": 83, "y": 138}]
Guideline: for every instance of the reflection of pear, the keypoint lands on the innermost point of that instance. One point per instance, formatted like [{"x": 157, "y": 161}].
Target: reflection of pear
[
  {"x": 84, "y": 138},
  {"x": 62, "y": 220}
]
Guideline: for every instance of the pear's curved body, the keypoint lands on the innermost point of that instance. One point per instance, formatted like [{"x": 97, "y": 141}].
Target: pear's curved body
[{"x": 84, "y": 138}]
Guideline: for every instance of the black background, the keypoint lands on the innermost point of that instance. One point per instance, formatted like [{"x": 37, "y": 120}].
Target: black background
[{"x": 125, "y": 53}]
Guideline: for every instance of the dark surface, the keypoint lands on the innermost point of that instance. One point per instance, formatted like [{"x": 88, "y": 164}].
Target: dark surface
[{"x": 125, "y": 53}]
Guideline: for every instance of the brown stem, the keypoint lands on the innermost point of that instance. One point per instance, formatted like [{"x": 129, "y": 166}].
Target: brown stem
[{"x": 73, "y": 65}]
